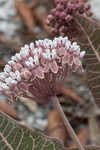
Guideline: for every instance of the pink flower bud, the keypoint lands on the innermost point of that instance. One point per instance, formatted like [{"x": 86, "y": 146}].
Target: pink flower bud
[
  {"x": 18, "y": 66},
  {"x": 68, "y": 18},
  {"x": 64, "y": 12},
  {"x": 26, "y": 74}
]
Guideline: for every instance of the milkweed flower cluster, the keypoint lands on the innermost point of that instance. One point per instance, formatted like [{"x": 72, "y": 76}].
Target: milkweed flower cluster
[
  {"x": 34, "y": 71},
  {"x": 61, "y": 18}
]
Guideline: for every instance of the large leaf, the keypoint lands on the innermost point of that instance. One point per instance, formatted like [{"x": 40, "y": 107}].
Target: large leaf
[
  {"x": 89, "y": 148},
  {"x": 16, "y": 137},
  {"x": 88, "y": 36}
]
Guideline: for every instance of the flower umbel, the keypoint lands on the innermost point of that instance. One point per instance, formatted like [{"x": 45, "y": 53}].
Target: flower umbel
[
  {"x": 62, "y": 17},
  {"x": 34, "y": 71}
]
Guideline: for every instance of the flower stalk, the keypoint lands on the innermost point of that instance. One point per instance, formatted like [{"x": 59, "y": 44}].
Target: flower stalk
[{"x": 66, "y": 122}]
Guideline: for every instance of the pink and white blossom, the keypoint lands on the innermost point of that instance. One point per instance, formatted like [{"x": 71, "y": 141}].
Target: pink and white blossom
[{"x": 34, "y": 71}]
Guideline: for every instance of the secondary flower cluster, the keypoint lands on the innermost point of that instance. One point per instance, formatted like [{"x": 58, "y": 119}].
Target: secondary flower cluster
[
  {"x": 34, "y": 71},
  {"x": 62, "y": 17}
]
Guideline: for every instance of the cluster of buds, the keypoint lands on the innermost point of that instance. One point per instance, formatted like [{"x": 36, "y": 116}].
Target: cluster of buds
[
  {"x": 35, "y": 70},
  {"x": 62, "y": 17}
]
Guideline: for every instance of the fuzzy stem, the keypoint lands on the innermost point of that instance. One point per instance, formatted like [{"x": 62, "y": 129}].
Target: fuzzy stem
[{"x": 66, "y": 123}]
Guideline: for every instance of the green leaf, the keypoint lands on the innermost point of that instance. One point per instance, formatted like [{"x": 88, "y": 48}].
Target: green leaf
[
  {"x": 14, "y": 136},
  {"x": 88, "y": 36},
  {"x": 89, "y": 148}
]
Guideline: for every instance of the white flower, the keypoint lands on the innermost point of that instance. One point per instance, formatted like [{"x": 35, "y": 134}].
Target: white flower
[
  {"x": 17, "y": 73},
  {"x": 9, "y": 81},
  {"x": 39, "y": 42},
  {"x": 24, "y": 52},
  {"x": 54, "y": 44},
  {"x": 18, "y": 56},
  {"x": 12, "y": 75},
  {"x": 47, "y": 55},
  {"x": 11, "y": 62},
  {"x": 30, "y": 59},
  {"x": 7, "y": 68},
  {"x": 13, "y": 58},
  {"x": 4, "y": 86},
  {"x": 13, "y": 82},
  {"x": 3, "y": 75},
  {"x": 53, "y": 54},
  {"x": 82, "y": 54},
  {"x": 36, "y": 59},
  {"x": 29, "y": 64},
  {"x": 75, "y": 47},
  {"x": 68, "y": 44},
  {"x": 31, "y": 46},
  {"x": 26, "y": 47}
]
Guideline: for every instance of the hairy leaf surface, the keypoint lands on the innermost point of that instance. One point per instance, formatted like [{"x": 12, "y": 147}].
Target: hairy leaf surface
[{"x": 88, "y": 36}]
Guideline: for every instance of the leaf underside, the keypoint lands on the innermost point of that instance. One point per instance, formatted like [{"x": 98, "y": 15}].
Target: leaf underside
[
  {"x": 13, "y": 136},
  {"x": 89, "y": 148},
  {"x": 89, "y": 40}
]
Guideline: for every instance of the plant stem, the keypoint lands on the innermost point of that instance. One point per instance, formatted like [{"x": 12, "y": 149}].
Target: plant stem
[{"x": 66, "y": 123}]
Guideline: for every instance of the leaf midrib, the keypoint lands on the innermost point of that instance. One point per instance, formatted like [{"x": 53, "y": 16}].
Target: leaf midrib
[
  {"x": 90, "y": 42},
  {"x": 6, "y": 142}
]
